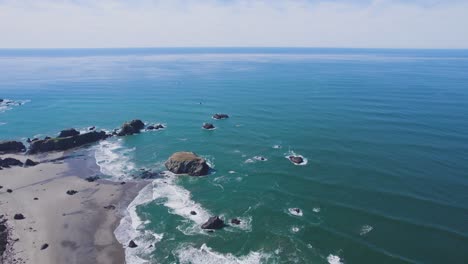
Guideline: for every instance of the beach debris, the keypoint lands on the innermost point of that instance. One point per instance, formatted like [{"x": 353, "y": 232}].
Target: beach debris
[
  {"x": 213, "y": 222},
  {"x": 193, "y": 213},
  {"x": 187, "y": 163},
  {"x": 132, "y": 244},
  {"x": 220, "y": 116},
  {"x": 30, "y": 163},
  {"x": 72, "y": 192},
  {"x": 68, "y": 133},
  {"x": 109, "y": 207},
  {"x": 18, "y": 217},
  {"x": 44, "y": 246},
  {"x": 295, "y": 211},
  {"x": 235, "y": 221},
  {"x": 9, "y": 190},
  {"x": 92, "y": 178},
  {"x": 11, "y": 147},
  {"x": 208, "y": 126},
  {"x": 130, "y": 128},
  {"x": 296, "y": 159},
  {"x": 7, "y": 162}
]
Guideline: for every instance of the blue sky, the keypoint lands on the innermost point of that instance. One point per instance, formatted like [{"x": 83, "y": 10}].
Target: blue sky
[{"x": 273, "y": 23}]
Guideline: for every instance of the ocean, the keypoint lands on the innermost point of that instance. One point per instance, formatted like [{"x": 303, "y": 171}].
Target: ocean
[{"x": 384, "y": 134}]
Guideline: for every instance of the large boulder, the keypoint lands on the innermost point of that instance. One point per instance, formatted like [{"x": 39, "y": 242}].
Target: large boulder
[
  {"x": 60, "y": 144},
  {"x": 11, "y": 147},
  {"x": 8, "y": 162},
  {"x": 213, "y": 223},
  {"x": 130, "y": 128},
  {"x": 68, "y": 133},
  {"x": 187, "y": 163}
]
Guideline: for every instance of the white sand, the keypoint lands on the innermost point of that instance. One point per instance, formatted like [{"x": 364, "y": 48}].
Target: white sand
[{"x": 76, "y": 227}]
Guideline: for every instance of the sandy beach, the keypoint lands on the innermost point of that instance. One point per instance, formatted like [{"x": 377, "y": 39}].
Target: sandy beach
[{"x": 59, "y": 227}]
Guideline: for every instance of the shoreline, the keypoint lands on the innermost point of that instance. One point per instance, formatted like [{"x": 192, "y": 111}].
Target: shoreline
[{"x": 76, "y": 228}]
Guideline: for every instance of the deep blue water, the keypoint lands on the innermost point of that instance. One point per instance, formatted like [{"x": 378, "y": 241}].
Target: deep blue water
[{"x": 385, "y": 133}]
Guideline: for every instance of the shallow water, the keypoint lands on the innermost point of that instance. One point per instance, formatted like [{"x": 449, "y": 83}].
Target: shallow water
[{"x": 384, "y": 133}]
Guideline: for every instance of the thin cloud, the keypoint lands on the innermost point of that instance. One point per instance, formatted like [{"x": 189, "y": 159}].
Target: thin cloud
[{"x": 182, "y": 23}]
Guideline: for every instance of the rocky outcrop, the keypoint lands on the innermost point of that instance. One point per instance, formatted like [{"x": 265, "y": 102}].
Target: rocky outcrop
[
  {"x": 60, "y": 144},
  {"x": 220, "y": 116},
  {"x": 68, "y": 133},
  {"x": 11, "y": 147},
  {"x": 208, "y": 126},
  {"x": 8, "y": 162},
  {"x": 187, "y": 163},
  {"x": 130, "y": 128},
  {"x": 213, "y": 223}
]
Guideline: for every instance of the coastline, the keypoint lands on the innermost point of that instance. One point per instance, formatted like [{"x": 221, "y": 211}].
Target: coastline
[{"x": 76, "y": 228}]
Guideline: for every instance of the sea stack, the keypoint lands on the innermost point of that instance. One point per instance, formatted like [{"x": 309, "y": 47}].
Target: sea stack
[
  {"x": 187, "y": 163},
  {"x": 132, "y": 127}
]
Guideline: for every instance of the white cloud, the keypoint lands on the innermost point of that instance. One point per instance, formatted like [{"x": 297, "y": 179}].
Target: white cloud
[{"x": 167, "y": 23}]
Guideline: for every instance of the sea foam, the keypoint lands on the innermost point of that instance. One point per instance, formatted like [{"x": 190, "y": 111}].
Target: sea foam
[
  {"x": 114, "y": 160},
  {"x": 206, "y": 255}
]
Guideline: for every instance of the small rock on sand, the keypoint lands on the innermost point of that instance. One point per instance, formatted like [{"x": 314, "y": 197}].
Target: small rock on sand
[
  {"x": 44, "y": 246},
  {"x": 72, "y": 192},
  {"x": 18, "y": 217}
]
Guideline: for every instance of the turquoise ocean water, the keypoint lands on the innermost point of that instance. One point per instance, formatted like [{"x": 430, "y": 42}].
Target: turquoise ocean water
[{"x": 384, "y": 132}]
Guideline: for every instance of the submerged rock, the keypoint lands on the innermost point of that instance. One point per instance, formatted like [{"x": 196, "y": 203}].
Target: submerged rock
[
  {"x": 208, "y": 126},
  {"x": 68, "y": 133},
  {"x": 60, "y": 144},
  {"x": 187, "y": 163},
  {"x": 296, "y": 159},
  {"x": 132, "y": 244},
  {"x": 11, "y": 147},
  {"x": 235, "y": 221},
  {"x": 213, "y": 223},
  {"x": 220, "y": 116},
  {"x": 130, "y": 128}
]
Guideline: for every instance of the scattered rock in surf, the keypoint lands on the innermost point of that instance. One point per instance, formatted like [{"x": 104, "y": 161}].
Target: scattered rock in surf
[
  {"x": 220, "y": 116},
  {"x": 30, "y": 163},
  {"x": 295, "y": 211},
  {"x": 122, "y": 183},
  {"x": 260, "y": 158},
  {"x": 130, "y": 128},
  {"x": 296, "y": 159},
  {"x": 235, "y": 221},
  {"x": 91, "y": 128},
  {"x": 44, "y": 246},
  {"x": 8, "y": 162},
  {"x": 92, "y": 178},
  {"x": 213, "y": 223},
  {"x": 208, "y": 126},
  {"x": 9, "y": 190},
  {"x": 18, "y": 217},
  {"x": 132, "y": 244},
  {"x": 72, "y": 192},
  {"x": 193, "y": 213},
  {"x": 109, "y": 207},
  {"x": 148, "y": 174},
  {"x": 276, "y": 146},
  {"x": 60, "y": 144},
  {"x": 155, "y": 127},
  {"x": 68, "y": 133},
  {"x": 11, "y": 147},
  {"x": 187, "y": 163}
]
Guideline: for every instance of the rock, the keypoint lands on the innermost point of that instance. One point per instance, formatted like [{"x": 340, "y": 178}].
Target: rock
[
  {"x": 220, "y": 116},
  {"x": 235, "y": 221},
  {"x": 44, "y": 246},
  {"x": 91, "y": 128},
  {"x": 92, "y": 179},
  {"x": 122, "y": 183},
  {"x": 72, "y": 192},
  {"x": 193, "y": 213},
  {"x": 7, "y": 162},
  {"x": 150, "y": 128},
  {"x": 9, "y": 190},
  {"x": 187, "y": 163},
  {"x": 68, "y": 133},
  {"x": 208, "y": 126},
  {"x": 110, "y": 207},
  {"x": 155, "y": 127},
  {"x": 11, "y": 147},
  {"x": 45, "y": 138},
  {"x": 28, "y": 140},
  {"x": 296, "y": 159},
  {"x": 130, "y": 128},
  {"x": 30, "y": 163},
  {"x": 60, "y": 144},
  {"x": 132, "y": 244},
  {"x": 35, "y": 199},
  {"x": 18, "y": 217},
  {"x": 213, "y": 223}
]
